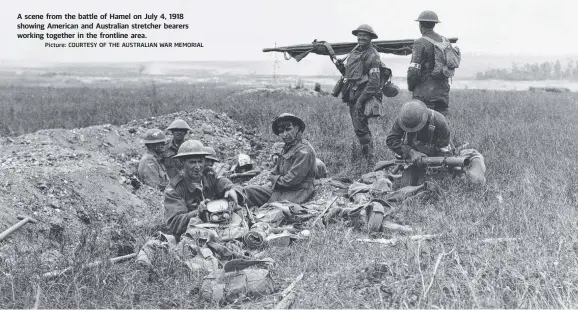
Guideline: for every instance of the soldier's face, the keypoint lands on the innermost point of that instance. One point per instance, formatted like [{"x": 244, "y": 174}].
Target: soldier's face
[
  {"x": 287, "y": 132},
  {"x": 363, "y": 38},
  {"x": 158, "y": 147},
  {"x": 194, "y": 166},
  {"x": 179, "y": 134}
]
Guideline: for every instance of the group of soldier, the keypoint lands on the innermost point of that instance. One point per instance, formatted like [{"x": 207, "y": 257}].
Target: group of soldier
[
  {"x": 421, "y": 129},
  {"x": 183, "y": 170}
]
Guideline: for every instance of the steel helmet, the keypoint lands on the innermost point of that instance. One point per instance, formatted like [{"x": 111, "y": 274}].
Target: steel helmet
[
  {"x": 365, "y": 28},
  {"x": 289, "y": 117},
  {"x": 212, "y": 154},
  {"x": 152, "y": 136},
  {"x": 179, "y": 124},
  {"x": 428, "y": 16},
  {"x": 413, "y": 116},
  {"x": 191, "y": 148}
]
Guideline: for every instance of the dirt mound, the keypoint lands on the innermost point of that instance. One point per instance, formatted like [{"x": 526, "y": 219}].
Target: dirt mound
[
  {"x": 68, "y": 179},
  {"x": 302, "y": 92}
]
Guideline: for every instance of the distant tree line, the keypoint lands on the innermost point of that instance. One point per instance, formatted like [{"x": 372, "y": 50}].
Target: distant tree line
[{"x": 536, "y": 71}]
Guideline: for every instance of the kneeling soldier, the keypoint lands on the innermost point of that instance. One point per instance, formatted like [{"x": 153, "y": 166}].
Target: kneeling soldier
[{"x": 418, "y": 132}]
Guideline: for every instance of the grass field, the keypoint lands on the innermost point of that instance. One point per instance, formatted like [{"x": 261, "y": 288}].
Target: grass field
[{"x": 530, "y": 148}]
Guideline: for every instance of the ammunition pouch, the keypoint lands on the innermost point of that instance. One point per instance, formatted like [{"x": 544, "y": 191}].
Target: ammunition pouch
[
  {"x": 226, "y": 287},
  {"x": 373, "y": 108},
  {"x": 338, "y": 87}
]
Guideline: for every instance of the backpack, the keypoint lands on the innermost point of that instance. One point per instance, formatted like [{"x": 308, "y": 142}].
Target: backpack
[{"x": 447, "y": 58}]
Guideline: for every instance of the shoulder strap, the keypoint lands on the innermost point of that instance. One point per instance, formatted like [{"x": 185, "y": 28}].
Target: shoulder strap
[
  {"x": 431, "y": 128},
  {"x": 436, "y": 43}
]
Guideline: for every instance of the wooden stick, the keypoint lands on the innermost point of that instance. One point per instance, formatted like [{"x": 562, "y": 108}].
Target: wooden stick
[
  {"x": 498, "y": 240},
  {"x": 37, "y": 302},
  {"x": 422, "y": 237},
  {"x": 58, "y": 273},
  {"x": 286, "y": 302},
  {"x": 438, "y": 261},
  {"x": 393, "y": 241},
  {"x": 292, "y": 285},
  {"x": 394, "y": 226},
  {"x": 288, "y": 294},
  {"x": 325, "y": 210}
]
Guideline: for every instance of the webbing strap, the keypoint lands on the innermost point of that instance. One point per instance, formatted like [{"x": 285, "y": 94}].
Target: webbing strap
[{"x": 431, "y": 128}]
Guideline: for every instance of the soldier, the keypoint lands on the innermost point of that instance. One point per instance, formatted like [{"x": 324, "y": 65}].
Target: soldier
[
  {"x": 294, "y": 173},
  {"x": 150, "y": 170},
  {"x": 434, "y": 92},
  {"x": 212, "y": 158},
  {"x": 362, "y": 72},
  {"x": 179, "y": 129},
  {"x": 320, "y": 168},
  {"x": 418, "y": 132},
  {"x": 187, "y": 191}
]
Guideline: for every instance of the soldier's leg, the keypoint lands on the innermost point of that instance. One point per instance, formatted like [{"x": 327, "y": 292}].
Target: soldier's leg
[
  {"x": 442, "y": 107},
  {"x": 256, "y": 195},
  {"x": 361, "y": 129}
]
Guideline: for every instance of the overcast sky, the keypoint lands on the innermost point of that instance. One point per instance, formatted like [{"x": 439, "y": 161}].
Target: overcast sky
[{"x": 240, "y": 29}]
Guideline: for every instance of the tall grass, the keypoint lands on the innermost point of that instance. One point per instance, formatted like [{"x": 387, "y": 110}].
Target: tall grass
[{"x": 529, "y": 144}]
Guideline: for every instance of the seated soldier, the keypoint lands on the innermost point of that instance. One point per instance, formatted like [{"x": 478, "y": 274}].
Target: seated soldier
[
  {"x": 185, "y": 193},
  {"x": 292, "y": 177},
  {"x": 150, "y": 170},
  {"x": 418, "y": 132},
  {"x": 320, "y": 168},
  {"x": 212, "y": 158}
]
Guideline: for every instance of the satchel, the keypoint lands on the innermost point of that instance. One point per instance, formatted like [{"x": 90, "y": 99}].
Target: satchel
[
  {"x": 373, "y": 108},
  {"x": 225, "y": 287}
]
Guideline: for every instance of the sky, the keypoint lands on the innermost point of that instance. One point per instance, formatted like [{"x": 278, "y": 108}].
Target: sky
[{"x": 239, "y": 30}]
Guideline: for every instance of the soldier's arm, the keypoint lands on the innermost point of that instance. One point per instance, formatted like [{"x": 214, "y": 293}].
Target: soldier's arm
[
  {"x": 177, "y": 215},
  {"x": 372, "y": 87},
  {"x": 151, "y": 176},
  {"x": 303, "y": 162},
  {"x": 394, "y": 141},
  {"x": 443, "y": 137},
  {"x": 224, "y": 184},
  {"x": 414, "y": 70}
]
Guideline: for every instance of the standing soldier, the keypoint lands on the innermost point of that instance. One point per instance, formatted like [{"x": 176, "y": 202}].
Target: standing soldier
[
  {"x": 433, "y": 91},
  {"x": 362, "y": 72},
  {"x": 179, "y": 129},
  {"x": 150, "y": 170}
]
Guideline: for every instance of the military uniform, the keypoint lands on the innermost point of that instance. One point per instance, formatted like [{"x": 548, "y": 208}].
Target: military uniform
[
  {"x": 363, "y": 82},
  {"x": 151, "y": 172},
  {"x": 182, "y": 198},
  {"x": 433, "y": 92},
  {"x": 432, "y": 140},
  {"x": 292, "y": 177},
  {"x": 173, "y": 165}
]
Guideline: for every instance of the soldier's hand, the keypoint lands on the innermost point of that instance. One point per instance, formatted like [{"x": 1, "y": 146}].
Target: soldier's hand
[
  {"x": 203, "y": 205},
  {"x": 358, "y": 105},
  {"x": 414, "y": 156},
  {"x": 273, "y": 178},
  {"x": 232, "y": 196}
]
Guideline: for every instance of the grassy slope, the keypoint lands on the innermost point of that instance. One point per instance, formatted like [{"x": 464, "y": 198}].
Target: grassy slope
[{"x": 529, "y": 141}]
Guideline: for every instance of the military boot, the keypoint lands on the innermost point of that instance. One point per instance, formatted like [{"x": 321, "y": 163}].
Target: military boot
[{"x": 368, "y": 157}]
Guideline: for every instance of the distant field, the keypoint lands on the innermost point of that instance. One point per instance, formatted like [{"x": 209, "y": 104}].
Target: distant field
[{"x": 528, "y": 139}]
